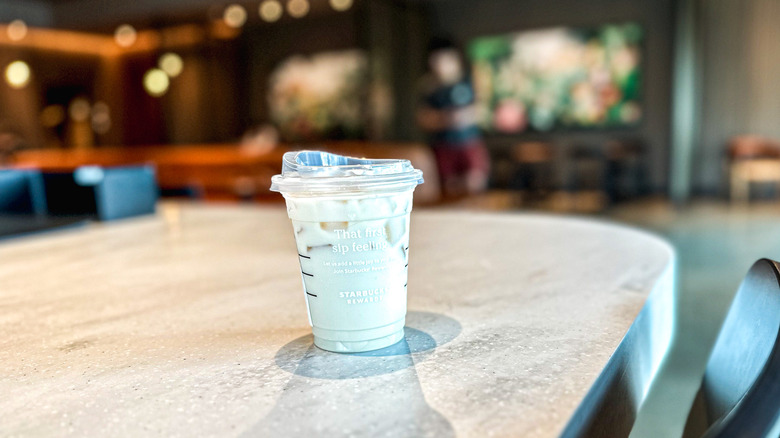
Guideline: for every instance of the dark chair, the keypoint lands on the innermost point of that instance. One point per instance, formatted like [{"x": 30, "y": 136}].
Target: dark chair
[
  {"x": 23, "y": 208},
  {"x": 626, "y": 172},
  {"x": 740, "y": 392},
  {"x": 534, "y": 168},
  {"x": 587, "y": 178},
  {"x": 752, "y": 159},
  {"x": 588, "y": 168},
  {"x": 102, "y": 193},
  {"x": 22, "y": 192}
]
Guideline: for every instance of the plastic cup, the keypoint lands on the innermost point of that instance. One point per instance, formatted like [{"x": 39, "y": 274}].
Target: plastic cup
[{"x": 351, "y": 223}]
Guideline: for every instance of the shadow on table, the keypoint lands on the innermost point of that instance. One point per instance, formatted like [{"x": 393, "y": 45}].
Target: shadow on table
[
  {"x": 362, "y": 394},
  {"x": 424, "y": 331}
]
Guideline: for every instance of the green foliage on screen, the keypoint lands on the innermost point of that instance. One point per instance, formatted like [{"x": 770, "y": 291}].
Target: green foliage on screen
[{"x": 560, "y": 77}]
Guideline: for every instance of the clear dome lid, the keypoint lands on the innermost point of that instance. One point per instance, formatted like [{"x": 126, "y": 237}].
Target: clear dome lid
[{"x": 321, "y": 173}]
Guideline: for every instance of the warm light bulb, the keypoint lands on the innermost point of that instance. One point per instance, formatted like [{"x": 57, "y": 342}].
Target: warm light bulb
[
  {"x": 125, "y": 35},
  {"x": 156, "y": 82},
  {"x": 298, "y": 8},
  {"x": 79, "y": 109},
  {"x": 271, "y": 10},
  {"x": 234, "y": 16},
  {"x": 340, "y": 5},
  {"x": 17, "y": 74},
  {"x": 171, "y": 64},
  {"x": 16, "y": 30}
]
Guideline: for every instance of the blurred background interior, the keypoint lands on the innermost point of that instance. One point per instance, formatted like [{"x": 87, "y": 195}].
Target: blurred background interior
[
  {"x": 582, "y": 106},
  {"x": 662, "y": 114}
]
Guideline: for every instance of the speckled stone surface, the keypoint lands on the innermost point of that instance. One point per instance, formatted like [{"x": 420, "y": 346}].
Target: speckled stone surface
[{"x": 193, "y": 323}]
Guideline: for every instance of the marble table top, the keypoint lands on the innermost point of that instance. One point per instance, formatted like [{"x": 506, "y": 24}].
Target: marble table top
[{"x": 193, "y": 323}]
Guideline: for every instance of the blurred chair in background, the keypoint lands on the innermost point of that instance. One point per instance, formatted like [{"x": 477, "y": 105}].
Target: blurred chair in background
[
  {"x": 102, "y": 193},
  {"x": 752, "y": 159},
  {"x": 23, "y": 206},
  {"x": 22, "y": 192},
  {"x": 626, "y": 172},
  {"x": 740, "y": 392},
  {"x": 534, "y": 173},
  {"x": 588, "y": 177}
]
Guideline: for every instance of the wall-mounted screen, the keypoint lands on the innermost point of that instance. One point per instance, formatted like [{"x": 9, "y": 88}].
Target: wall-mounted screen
[
  {"x": 318, "y": 97},
  {"x": 558, "y": 78}
]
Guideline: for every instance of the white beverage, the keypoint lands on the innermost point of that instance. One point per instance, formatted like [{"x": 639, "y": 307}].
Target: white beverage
[{"x": 351, "y": 224}]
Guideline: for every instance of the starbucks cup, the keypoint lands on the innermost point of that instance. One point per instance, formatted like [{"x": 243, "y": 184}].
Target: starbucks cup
[{"x": 351, "y": 222}]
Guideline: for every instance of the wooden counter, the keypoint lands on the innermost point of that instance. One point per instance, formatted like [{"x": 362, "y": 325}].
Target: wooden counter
[{"x": 226, "y": 171}]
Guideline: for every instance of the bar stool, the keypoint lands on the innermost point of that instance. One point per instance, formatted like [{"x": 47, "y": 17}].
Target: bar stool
[
  {"x": 588, "y": 178},
  {"x": 626, "y": 173},
  {"x": 751, "y": 159},
  {"x": 534, "y": 165}
]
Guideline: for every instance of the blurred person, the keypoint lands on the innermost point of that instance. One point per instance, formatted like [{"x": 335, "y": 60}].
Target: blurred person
[
  {"x": 259, "y": 140},
  {"x": 78, "y": 130},
  {"x": 448, "y": 115},
  {"x": 10, "y": 143}
]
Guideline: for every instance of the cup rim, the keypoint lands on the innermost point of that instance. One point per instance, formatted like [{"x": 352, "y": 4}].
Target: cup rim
[{"x": 318, "y": 172}]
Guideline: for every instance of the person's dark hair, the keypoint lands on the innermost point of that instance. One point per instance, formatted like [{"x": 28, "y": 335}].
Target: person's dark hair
[{"x": 441, "y": 43}]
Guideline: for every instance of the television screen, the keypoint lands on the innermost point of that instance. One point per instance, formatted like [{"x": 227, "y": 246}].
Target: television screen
[
  {"x": 322, "y": 96},
  {"x": 556, "y": 78}
]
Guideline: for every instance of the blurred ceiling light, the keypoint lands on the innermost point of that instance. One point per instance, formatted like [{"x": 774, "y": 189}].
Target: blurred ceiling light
[
  {"x": 101, "y": 117},
  {"x": 298, "y": 8},
  {"x": 234, "y": 16},
  {"x": 340, "y": 5},
  {"x": 16, "y": 30},
  {"x": 17, "y": 74},
  {"x": 220, "y": 30},
  {"x": 79, "y": 109},
  {"x": 125, "y": 35},
  {"x": 100, "y": 107},
  {"x": 52, "y": 116},
  {"x": 271, "y": 10},
  {"x": 171, "y": 64},
  {"x": 156, "y": 82}
]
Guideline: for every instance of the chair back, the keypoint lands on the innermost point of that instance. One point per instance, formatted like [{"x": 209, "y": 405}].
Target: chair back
[
  {"x": 740, "y": 391},
  {"x": 747, "y": 147},
  {"x": 21, "y": 192},
  {"x": 104, "y": 193}
]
